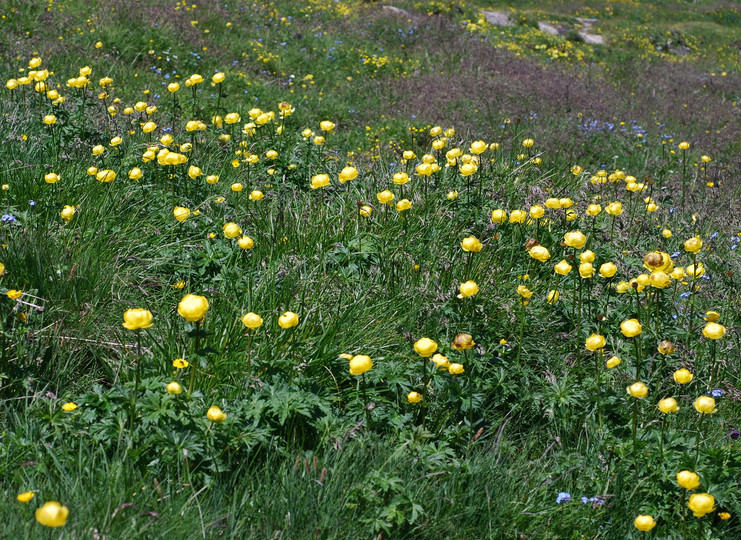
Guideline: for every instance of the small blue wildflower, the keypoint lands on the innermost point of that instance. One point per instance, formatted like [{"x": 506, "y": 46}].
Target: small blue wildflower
[
  {"x": 32, "y": 203},
  {"x": 675, "y": 254},
  {"x": 685, "y": 295},
  {"x": 562, "y": 497},
  {"x": 714, "y": 236},
  {"x": 717, "y": 393},
  {"x": 7, "y": 218},
  {"x": 584, "y": 500}
]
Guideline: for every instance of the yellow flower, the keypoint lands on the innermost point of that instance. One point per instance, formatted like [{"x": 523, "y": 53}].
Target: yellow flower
[
  {"x": 631, "y": 328},
  {"x": 67, "y": 212},
  {"x": 683, "y": 376},
  {"x": 463, "y": 342},
  {"x": 425, "y": 347},
  {"x": 524, "y": 291},
  {"x": 553, "y": 203},
  {"x": 174, "y": 388},
  {"x": 684, "y": 145},
  {"x": 256, "y": 195},
  {"x": 25, "y": 497},
  {"x": 539, "y": 253},
  {"x": 194, "y": 172},
  {"x": 576, "y": 170},
  {"x": 347, "y": 174},
  {"x": 614, "y": 209},
  {"x": 595, "y": 341},
  {"x": 232, "y": 230},
  {"x": 237, "y": 187},
  {"x": 455, "y": 369},
  {"x": 215, "y": 414},
  {"x": 98, "y": 149},
  {"x": 688, "y": 479},
  {"x": 536, "y": 211},
  {"x": 52, "y": 514},
  {"x": 327, "y": 126},
  {"x": 562, "y": 268},
  {"x": 693, "y": 245},
  {"x": 712, "y": 316},
  {"x": 638, "y": 390},
  {"x": 666, "y": 233},
  {"x": 695, "y": 270},
  {"x": 517, "y": 216},
  {"x": 467, "y": 169},
  {"x": 181, "y": 213},
  {"x": 319, "y": 180},
  {"x": 586, "y": 270},
  {"x": 218, "y": 77},
  {"x": 498, "y": 216},
  {"x": 607, "y": 270},
  {"x": 106, "y": 175},
  {"x": 575, "y": 239},
  {"x": 360, "y": 364},
  {"x": 365, "y": 210},
  {"x": 408, "y": 154},
  {"x": 478, "y": 147},
  {"x": 69, "y": 406},
  {"x": 552, "y": 297},
  {"x": 471, "y": 244},
  {"x": 613, "y": 362},
  {"x": 705, "y": 405},
  {"x": 136, "y": 319},
  {"x": 528, "y": 143},
  {"x": 14, "y": 294},
  {"x": 288, "y": 320},
  {"x": 723, "y": 515},
  {"x": 192, "y": 307},
  {"x": 245, "y": 242},
  {"x": 252, "y": 320},
  {"x": 385, "y": 197},
  {"x": 593, "y": 209},
  {"x": 666, "y": 347},
  {"x": 173, "y": 87},
  {"x": 644, "y": 523},
  {"x": 50, "y": 119},
  {"x": 404, "y": 204},
  {"x": 586, "y": 256},
  {"x": 440, "y": 360},
  {"x": 668, "y": 405},
  {"x": 714, "y": 330},
  {"x": 401, "y": 178},
  {"x": 135, "y": 173},
  {"x": 180, "y": 363},
  {"x": 414, "y": 397},
  {"x": 659, "y": 280},
  {"x": 51, "y": 178},
  {"x": 701, "y": 504},
  {"x": 179, "y": 285}
]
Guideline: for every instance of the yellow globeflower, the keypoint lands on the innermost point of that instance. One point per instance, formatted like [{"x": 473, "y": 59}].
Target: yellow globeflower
[
  {"x": 347, "y": 174},
  {"x": 498, "y": 216},
  {"x": 553, "y": 203},
  {"x": 440, "y": 361},
  {"x": 256, "y": 195},
  {"x": 693, "y": 245},
  {"x": 360, "y": 364},
  {"x": 288, "y": 320},
  {"x": 319, "y": 181},
  {"x": 425, "y": 347},
  {"x": 67, "y": 213},
  {"x": 714, "y": 330},
  {"x": 471, "y": 244},
  {"x": 575, "y": 239},
  {"x": 659, "y": 280},
  {"x": 135, "y": 173},
  {"x": 614, "y": 209},
  {"x": 593, "y": 209},
  {"x": 192, "y": 307},
  {"x": 401, "y": 178},
  {"x": 137, "y": 319},
  {"x": 586, "y": 270},
  {"x": 468, "y": 289},
  {"x": 216, "y": 415},
  {"x": 181, "y": 213},
  {"x": 455, "y": 369},
  {"x": 552, "y": 296},
  {"x": 613, "y": 362},
  {"x": 404, "y": 204},
  {"x": 562, "y": 268},
  {"x": 463, "y": 342},
  {"x": 25, "y": 497},
  {"x": 595, "y": 341},
  {"x": 69, "y": 406},
  {"x": 631, "y": 328},
  {"x": 644, "y": 523},
  {"x": 232, "y": 230},
  {"x": 245, "y": 242},
  {"x": 385, "y": 197},
  {"x": 712, "y": 316},
  {"x": 683, "y": 376},
  {"x": 252, "y": 320},
  {"x": 638, "y": 390},
  {"x": 414, "y": 397},
  {"x": 539, "y": 253},
  {"x": 52, "y": 514},
  {"x": 517, "y": 216},
  {"x": 705, "y": 405},
  {"x": 668, "y": 405},
  {"x": 14, "y": 294},
  {"x": 701, "y": 504},
  {"x": 688, "y": 479},
  {"x": 174, "y": 388},
  {"x": 607, "y": 270},
  {"x": 51, "y": 178}
]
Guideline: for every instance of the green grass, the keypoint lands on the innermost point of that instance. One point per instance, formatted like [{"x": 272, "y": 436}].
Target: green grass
[{"x": 308, "y": 450}]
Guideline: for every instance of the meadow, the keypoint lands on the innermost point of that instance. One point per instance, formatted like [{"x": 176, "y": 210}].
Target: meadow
[{"x": 329, "y": 269}]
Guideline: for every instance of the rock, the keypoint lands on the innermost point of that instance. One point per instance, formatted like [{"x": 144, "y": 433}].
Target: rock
[
  {"x": 497, "y": 18},
  {"x": 549, "y": 29},
  {"x": 396, "y": 11},
  {"x": 592, "y": 39}
]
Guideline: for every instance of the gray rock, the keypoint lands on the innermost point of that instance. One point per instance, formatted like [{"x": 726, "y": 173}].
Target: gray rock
[
  {"x": 396, "y": 11},
  {"x": 497, "y": 18},
  {"x": 592, "y": 39},
  {"x": 549, "y": 29}
]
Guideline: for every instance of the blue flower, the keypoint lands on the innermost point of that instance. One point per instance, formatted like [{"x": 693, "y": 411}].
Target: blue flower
[
  {"x": 562, "y": 497},
  {"x": 717, "y": 393},
  {"x": 32, "y": 203},
  {"x": 584, "y": 500},
  {"x": 675, "y": 254}
]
